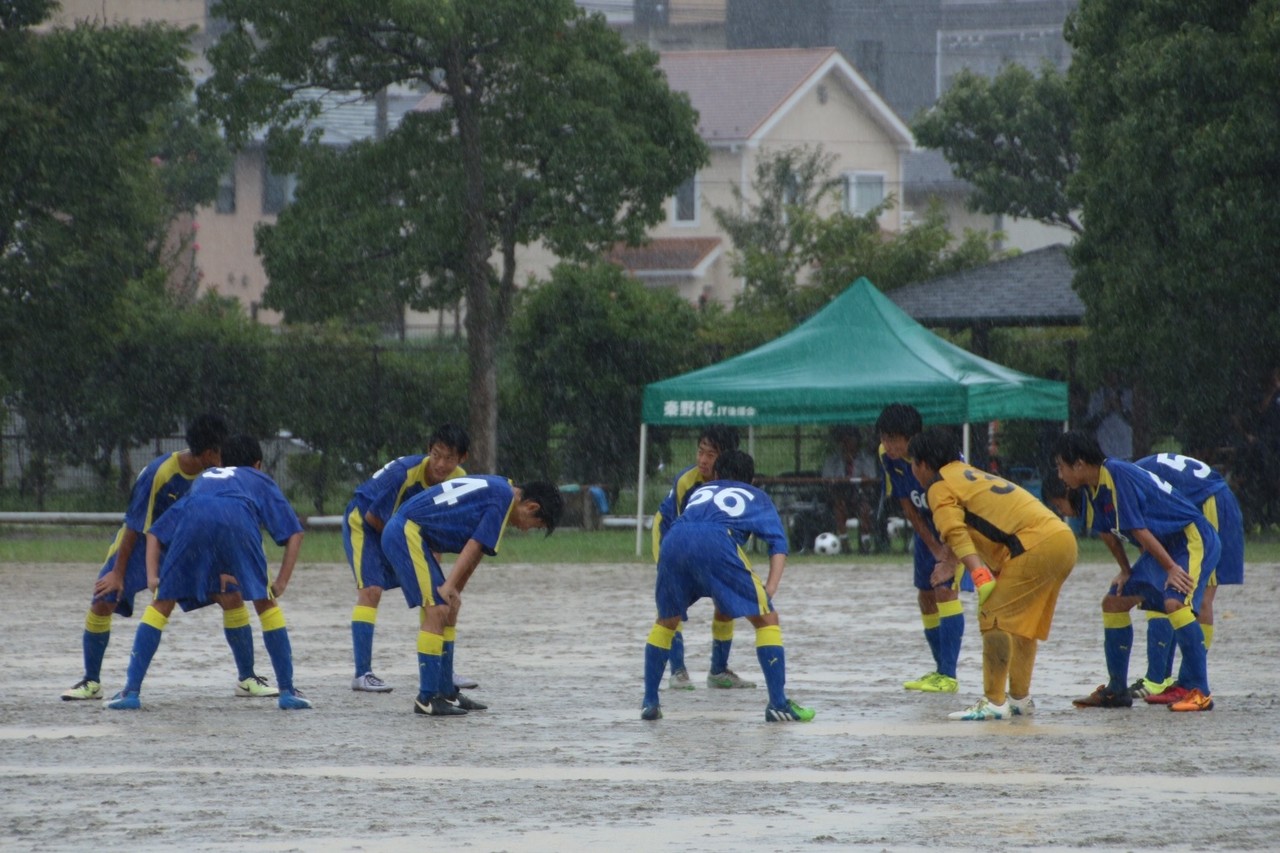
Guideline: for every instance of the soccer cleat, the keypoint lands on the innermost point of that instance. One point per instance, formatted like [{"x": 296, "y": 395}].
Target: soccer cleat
[
  {"x": 437, "y": 706},
  {"x": 936, "y": 682},
  {"x": 461, "y": 682},
  {"x": 292, "y": 700},
  {"x": 84, "y": 689},
  {"x": 651, "y": 712},
  {"x": 1172, "y": 693},
  {"x": 370, "y": 683},
  {"x": 1104, "y": 698},
  {"x": 680, "y": 680},
  {"x": 919, "y": 683},
  {"x": 255, "y": 685},
  {"x": 789, "y": 714},
  {"x": 727, "y": 680},
  {"x": 125, "y": 700},
  {"x": 1023, "y": 707},
  {"x": 465, "y": 702},
  {"x": 1193, "y": 701},
  {"x": 983, "y": 710},
  {"x": 1144, "y": 687}
]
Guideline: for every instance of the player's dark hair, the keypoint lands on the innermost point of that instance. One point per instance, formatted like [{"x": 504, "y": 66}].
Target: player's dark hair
[
  {"x": 1053, "y": 488},
  {"x": 241, "y": 451},
  {"x": 934, "y": 447},
  {"x": 720, "y": 436},
  {"x": 451, "y": 436},
  {"x": 549, "y": 500},
  {"x": 1078, "y": 446},
  {"x": 735, "y": 465},
  {"x": 206, "y": 432},
  {"x": 899, "y": 419}
]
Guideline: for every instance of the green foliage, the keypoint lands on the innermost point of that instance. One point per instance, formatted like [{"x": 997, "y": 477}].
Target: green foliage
[
  {"x": 1179, "y": 171},
  {"x": 1011, "y": 137},
  {"x": 585, "y": 344},
  {"x": 549, "y": 129},
  {"x": 101, "y": 154}
]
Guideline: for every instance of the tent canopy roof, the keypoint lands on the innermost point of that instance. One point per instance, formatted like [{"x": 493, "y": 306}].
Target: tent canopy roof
[{"x": 846, "y": 363}]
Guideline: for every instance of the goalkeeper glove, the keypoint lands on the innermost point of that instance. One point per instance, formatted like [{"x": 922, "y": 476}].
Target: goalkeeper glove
[{"x": 984, "y": 582}]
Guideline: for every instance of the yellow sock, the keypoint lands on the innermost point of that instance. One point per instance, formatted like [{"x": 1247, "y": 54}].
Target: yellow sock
[
  {"x": 661, "y": 636},
  {"x": 237, "y": 618}
]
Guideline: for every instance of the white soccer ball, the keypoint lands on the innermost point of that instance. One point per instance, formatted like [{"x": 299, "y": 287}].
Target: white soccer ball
[{"x": 826, "y": 543}]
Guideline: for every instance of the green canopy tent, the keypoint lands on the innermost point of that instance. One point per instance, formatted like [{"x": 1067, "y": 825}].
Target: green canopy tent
[{"x": 843, "y": 365}]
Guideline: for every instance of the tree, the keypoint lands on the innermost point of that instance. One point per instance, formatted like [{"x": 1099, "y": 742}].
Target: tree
[
  {"x": 1011, "y": 137},
  {"x": 100, "y": 156},
  {"x": 548, "y": 129},
  {"x": 1179, "y": 172},
  {"x": 586, "y": 377}
]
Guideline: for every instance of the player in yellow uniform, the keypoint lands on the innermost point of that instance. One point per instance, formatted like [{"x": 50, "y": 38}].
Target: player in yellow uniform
[{"x": 1019, "y": 554}]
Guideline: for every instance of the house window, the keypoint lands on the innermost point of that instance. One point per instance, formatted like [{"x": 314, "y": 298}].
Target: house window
[
  {"x": 277, "y": 190},
  {"x": 225, "y": 202},
  {"x": 685, "y": 208},
  {"x": 863, "y": 191}
]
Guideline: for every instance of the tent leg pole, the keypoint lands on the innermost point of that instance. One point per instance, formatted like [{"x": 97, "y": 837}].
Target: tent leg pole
[
  {"x": 967, "y": 457},
  {"x": 644, "y": 434}
]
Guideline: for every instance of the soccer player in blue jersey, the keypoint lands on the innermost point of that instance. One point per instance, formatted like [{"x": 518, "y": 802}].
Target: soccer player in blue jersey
[
  {"x": 209, "y": 541},
  {"x": 1179, "y": 551},
  {"x": 124, "y": 574},
  {"x": 941, "y": 610},
  {"x": 464, "y": 516},
  {"x": 1199, "y": 483},
  {"x": 714, "y": 440},
  {"x": 703, "y": 555},
  {"x": 375, "y": 502}
]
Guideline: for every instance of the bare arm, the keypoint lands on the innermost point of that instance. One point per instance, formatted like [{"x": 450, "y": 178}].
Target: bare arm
[
  {"x": 287, "y": 562},
  {"x": 373, "y": 521},
  {"x": 777, "y": 562},
  {"x": 468, "y": 560},
  {"x": 940, "y": 552},
  {"x": 153, "y": 562}
]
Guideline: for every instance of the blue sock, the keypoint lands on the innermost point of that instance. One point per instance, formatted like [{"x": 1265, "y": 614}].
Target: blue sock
[
  {"x": 446, "y": 669},
  {"x": 1160, "y": 648},
  {"x": 933, "y": 636},
  {"x": 950, "y": 633},
  {"x": 773, "y": 663},
  {"x": 1194, "y": 672},
  {"x": 95, "y": 648},
  {"x": 145, "y": 643},
  {"x": 241, "y": 642},
  {"x": 428, "y": 675},
  {"x": 1116, "y": 644},
  {"x": 362, "y": 646},
  {"x": 281, "y": 653},
  {"x": 677, "y": 651},
  {"x": 655, "y": 662}
]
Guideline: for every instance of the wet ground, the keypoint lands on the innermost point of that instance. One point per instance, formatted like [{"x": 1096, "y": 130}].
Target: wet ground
[{"x": 561, "y": 760}]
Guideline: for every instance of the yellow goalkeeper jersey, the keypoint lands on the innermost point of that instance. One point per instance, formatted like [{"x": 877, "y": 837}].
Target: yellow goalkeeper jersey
[{"x": 980, "y": 513}]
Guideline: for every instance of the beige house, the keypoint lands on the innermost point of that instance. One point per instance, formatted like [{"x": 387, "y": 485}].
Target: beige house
[{"x": 751, "y": 103}]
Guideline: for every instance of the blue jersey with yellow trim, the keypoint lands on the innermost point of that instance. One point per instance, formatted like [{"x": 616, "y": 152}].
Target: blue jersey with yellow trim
[
  {"x": 742, "y": 509},
  {"x": 241, "y": 496},
  {"x": 1194, "y": 480},
  {"x": 393, "y": 484},
  {"x": 157, "y": 488},
  {"x": 1128, "y": 498},
  {"x": 451, "y": 513},
  {"x": 901, "y": 484}
]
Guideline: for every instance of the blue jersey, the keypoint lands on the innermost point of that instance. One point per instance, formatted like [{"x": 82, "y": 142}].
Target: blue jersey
[
  {"x": 901, "y": 484},
  {"x": 742, "y": 509},
  {"x": 1128, "y": 498},
  {"x": 234, "y": 496},
  {"x": 464, "y": 508},
  {"x": 1206, "y": 488},
  {"x": 393, "y": 484},
  {"x": 1191, "y": 478},
  {"x": 673, "y": 504}
]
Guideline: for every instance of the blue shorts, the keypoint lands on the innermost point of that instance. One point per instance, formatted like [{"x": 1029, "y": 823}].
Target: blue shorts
[
  {"x": 198, "y": 556},
  {"x": 924, "y": 563},
  {"x": 135, "y": 575},
  {"x": 703, "y": 561},
  {"x": 412, "y": 562},
  {"x": 363, "y": 545},
  {"x": 1223, "y": 511},
  {"x": 1150, "y": 581}
]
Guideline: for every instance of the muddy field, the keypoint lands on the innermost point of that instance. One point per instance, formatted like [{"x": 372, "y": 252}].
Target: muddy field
[{"x": 561, "y": 761}]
